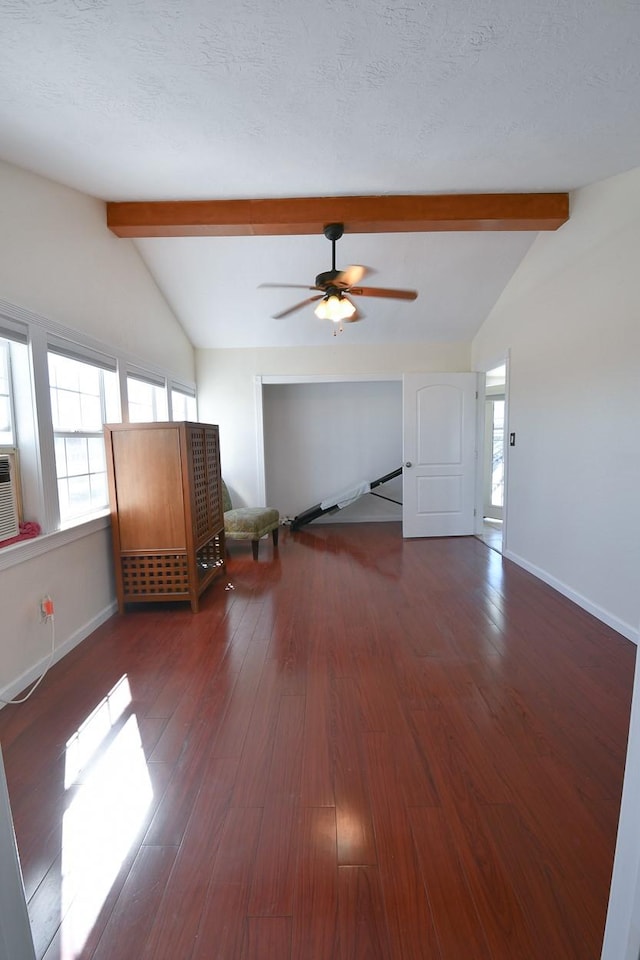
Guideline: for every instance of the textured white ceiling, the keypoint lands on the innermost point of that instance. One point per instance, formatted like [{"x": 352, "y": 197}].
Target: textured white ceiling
[{"x": 151, "y": 99}]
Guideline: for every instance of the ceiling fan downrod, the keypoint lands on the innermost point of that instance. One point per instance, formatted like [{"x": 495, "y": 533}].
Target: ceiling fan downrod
[{"x": 333, "y": 232}]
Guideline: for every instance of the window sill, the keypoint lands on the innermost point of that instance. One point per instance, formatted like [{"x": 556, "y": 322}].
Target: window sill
[{"x": 18, "y": 553}]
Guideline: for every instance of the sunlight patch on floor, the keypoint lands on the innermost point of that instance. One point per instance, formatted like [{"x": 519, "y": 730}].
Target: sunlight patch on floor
[{"x": 104, "y": 817}]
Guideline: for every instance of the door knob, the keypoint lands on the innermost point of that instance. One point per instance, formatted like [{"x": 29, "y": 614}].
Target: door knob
[{"x": 408, "y": 463}]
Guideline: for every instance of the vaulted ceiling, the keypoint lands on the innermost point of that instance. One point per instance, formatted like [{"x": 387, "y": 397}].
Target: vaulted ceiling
[{"x": 158, "y": 101}]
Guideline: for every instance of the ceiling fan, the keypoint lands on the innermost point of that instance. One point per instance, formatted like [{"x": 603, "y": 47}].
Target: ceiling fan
[{"x": 337, "y": 286}]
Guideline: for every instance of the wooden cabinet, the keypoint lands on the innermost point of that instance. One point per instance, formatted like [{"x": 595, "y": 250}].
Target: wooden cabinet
[{"x": 167, "y": 519}]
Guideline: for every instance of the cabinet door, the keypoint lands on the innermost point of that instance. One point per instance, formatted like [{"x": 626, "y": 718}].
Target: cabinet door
[
  {"x": 206, "y": 493},
  {"x": 148, "y": 486},
  {"x": 214, "y": 485}
]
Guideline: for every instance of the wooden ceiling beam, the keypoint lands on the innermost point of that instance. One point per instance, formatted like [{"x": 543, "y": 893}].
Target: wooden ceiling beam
[{"x": 309, "y": 215}]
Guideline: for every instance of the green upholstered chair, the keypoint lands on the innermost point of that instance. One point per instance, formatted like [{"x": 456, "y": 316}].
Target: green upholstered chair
[{"x": 249, "y": 523}]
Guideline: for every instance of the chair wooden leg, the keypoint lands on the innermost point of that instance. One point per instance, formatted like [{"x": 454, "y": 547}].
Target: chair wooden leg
[
  {"x": 255, "y": 546},
  {"x": 274, "y": 534}
]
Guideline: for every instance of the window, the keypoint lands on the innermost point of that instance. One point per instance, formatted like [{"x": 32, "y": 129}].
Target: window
[
  {"x": 84, "y": 396},
  {"x": 17, "y": 422},
  {"x": 146, "y": 399},
  {"x": 58, "y": 387},
  {"x": 7, "y": 438},
  {"x": 14, "y": 365},
  {"x": 183, "y": 405}
]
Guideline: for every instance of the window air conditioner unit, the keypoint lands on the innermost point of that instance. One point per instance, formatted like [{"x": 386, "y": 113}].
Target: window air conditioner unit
[{"x": 9, "y": 493}]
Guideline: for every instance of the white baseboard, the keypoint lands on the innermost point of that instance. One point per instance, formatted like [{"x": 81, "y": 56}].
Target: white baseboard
[
  {"x": 631, "y": 633},
  {"x": 340, "y": 517},
  {"x": 61, "y": 650}
]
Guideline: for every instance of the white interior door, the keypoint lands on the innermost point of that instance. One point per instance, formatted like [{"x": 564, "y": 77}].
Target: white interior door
[{"x": 439, "y": 453}]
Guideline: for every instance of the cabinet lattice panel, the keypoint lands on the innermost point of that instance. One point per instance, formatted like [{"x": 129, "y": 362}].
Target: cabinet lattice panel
[{"x": 155, "y": 575}]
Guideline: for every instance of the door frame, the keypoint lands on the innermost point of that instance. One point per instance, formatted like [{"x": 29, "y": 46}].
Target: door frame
[{"x": 483, "y": 370}]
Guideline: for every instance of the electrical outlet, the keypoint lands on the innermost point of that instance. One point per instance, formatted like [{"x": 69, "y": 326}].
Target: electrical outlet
[{"x": 46, "y": 609}]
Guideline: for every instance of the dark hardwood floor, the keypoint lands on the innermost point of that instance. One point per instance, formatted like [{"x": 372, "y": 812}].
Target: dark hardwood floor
[{"x": 364, "y": 749}]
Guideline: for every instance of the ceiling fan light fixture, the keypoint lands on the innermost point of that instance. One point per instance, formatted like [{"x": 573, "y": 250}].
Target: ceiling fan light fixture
[
  {"x": 335, "y": 308},
  {"x": 348, "y": 309}
]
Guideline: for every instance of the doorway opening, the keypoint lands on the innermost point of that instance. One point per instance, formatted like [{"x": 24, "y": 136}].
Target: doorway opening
[
  {"x": 493, "y": 486},
  {"x": 325, "y": 435}
]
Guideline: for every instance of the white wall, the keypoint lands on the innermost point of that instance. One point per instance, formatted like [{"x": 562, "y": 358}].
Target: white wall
[
  {"x": 58, "y": 259},
  {"x": 570, "y": 318},
  {"x": 227, "y": 390},
  {"x": 323, "y": 438},
  {"x": 79, "y": 577}
]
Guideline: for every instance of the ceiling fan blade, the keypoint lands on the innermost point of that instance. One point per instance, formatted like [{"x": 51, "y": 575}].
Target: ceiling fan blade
[
  {"x": 288, "y": 286},
  {"x": 353, "y": 274},
  {"x": 297, "y": 306},
  {"x": 383, "y": 292}
]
